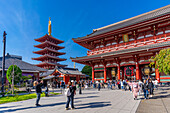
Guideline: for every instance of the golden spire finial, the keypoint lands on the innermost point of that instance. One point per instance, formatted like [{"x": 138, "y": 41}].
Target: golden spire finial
[
  {"x": 74, "y": 65},
  {"x": 49, "y": 26}
]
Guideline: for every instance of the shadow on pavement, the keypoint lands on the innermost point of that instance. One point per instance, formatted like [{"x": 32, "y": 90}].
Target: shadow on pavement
[
  {"x": 9, "y": 107},
  {"x": 86, "y": 97},
  {"x": 25, "y": 108},
  {"x": 90, "y": 93},
  {"x": 93, "y": 105}
]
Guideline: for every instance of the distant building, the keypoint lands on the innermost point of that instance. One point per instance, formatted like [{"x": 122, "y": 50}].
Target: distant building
[
  {"x": 63, "y": 74},
  {"x": 26, "y": 68}
]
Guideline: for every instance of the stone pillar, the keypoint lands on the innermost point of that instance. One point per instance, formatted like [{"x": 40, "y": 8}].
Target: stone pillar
[
  {"x": 157, "y": 75},
  {"x": 118, "y": 71},
  {"x": 137, "y": 71},
  {"x": 105, "y": 73},
  {"x": 93, "y": 73}
]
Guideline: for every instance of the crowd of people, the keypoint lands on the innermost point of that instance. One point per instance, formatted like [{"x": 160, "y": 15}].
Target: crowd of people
[{"x": 136, "y": 87}]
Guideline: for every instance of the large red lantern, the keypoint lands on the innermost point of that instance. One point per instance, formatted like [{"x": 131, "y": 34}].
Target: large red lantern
[{"x": 129, "y": 71}]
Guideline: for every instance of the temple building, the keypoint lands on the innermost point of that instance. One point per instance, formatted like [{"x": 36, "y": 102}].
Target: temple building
[
  {"x": 122, "y": 50},
  {"x": 26, "y": 68},
  {"x": 49, "y": 51}
]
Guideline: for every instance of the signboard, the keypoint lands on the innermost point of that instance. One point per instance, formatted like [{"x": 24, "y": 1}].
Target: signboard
[{"x": 125, "y": 38}]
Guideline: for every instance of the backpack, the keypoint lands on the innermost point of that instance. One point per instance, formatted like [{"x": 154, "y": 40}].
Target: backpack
[{"x": 67, "y": 92}]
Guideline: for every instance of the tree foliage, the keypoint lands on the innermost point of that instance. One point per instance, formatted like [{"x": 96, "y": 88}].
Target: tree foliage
[
  {"x": 87, "y": 70},
  {"x": 17, "y": 74},
  {"x": 24, "y": 78},
  {"x": 162, "y": 61}
]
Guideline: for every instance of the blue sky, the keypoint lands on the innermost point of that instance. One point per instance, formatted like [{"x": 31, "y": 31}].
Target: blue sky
[{"x": 25, "y": 20}]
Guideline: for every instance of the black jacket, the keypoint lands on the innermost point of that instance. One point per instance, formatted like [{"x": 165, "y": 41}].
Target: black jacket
[
  {"x": 150, "y": 85},
  {"x": 145, "y": 86},
  {"x": 38, "y": 88},
  {"x": 72, "y": 89}
]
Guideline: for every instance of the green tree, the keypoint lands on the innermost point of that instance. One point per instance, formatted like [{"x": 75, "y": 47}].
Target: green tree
[
  {"x": 87, "y": 70},
  {"x": 17, "y": 74},
  {"x": 24, "y": 78},
  {"x": 162, "y": 61}
]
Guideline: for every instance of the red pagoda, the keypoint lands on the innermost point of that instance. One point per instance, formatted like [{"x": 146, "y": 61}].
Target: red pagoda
[
  {"x": 49, "y": 51},
  {"x": 122, "y": 50}
]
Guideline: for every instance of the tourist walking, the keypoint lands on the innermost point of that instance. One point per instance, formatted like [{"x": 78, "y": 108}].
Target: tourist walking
[
  {"x": 135, "y": 89},
  {"x": 145, "y": 89},
  {"x": 79, "y": 86},
  {"x": 46, "y": 91},
  {"x": 58, "y": 84},
  {"x": 71, "y": 91},
  {"x": 156, "y": 84},
  {"x": 98, "y": 86},
  {"x": 121, "y": 83},
  {"x": 124, "y": 84},
  {"x": 141, "y": 86},
  {"x": 150, "y": 87},
  {"x": 38, "y": 86}
]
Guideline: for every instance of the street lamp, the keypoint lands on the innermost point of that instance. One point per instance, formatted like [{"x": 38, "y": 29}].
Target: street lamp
[{"x": 3, "y": 62}]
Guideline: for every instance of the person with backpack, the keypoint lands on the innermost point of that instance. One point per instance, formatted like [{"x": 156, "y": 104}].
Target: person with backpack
[
  {"x": 150, "y": 87},
  {"x": 145, "y": 89},
  {"x": 70, "y": 92},
  {"x": 98, "y": 86}
]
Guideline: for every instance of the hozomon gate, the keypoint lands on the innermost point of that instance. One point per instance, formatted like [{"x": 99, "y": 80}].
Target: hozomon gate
[{"x": 123, "y": 49}]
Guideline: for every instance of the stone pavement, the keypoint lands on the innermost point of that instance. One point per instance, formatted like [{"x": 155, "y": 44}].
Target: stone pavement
[
  {"x": 159, "y": 103},
  {"x": 91, "y": 101}
]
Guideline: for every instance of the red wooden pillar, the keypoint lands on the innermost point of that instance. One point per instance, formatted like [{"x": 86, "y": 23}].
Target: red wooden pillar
[
  {"x": 118, "y": 71},
  {"x": 157, "y": 75},
  {"x": 105, "y": 73},
  {"x": 137, "y": 71},
  {"x": 93, "y": 73},
  {"x": 66, "y": 78}
]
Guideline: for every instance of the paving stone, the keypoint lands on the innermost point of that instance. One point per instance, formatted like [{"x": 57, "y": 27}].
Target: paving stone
[{"x": 92, "y": 101}]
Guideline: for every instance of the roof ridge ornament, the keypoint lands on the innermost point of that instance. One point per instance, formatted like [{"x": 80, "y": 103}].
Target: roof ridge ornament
[{"x": 49, "y": 26}]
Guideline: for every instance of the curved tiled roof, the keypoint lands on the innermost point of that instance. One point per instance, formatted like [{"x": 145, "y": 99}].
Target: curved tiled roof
[
  {"x": 21, "y": 64},
  {"x": 63, "y": 70},
  {"x": 137, "y": 19}
]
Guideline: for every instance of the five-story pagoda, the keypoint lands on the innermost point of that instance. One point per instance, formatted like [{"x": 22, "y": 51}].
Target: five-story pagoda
[{"x": 49, "y": 51}]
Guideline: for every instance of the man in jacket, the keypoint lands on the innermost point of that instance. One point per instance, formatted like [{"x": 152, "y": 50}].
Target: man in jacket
[
  {"x": 145, "y": 89},
  {"x": 38, "y": 92}
]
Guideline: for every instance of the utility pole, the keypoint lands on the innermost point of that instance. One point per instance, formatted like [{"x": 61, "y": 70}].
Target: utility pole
[{"x": 3, "y": 62}]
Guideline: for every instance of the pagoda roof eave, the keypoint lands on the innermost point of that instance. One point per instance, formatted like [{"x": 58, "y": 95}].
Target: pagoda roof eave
[
  {"x": 48, "y": 56},
  {"x": 121, "y": 52},
  {"x": 48, "y": 49},
  {"x": 131, "y": 21},
  {"x": 42, "y": 39},
  {"x": 43, "y": 44},
  {"x": 49, "y": 63}
]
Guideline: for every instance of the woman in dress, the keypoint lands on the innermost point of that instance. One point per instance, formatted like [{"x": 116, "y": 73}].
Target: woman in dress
[{"x": 135, "y": 89}]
